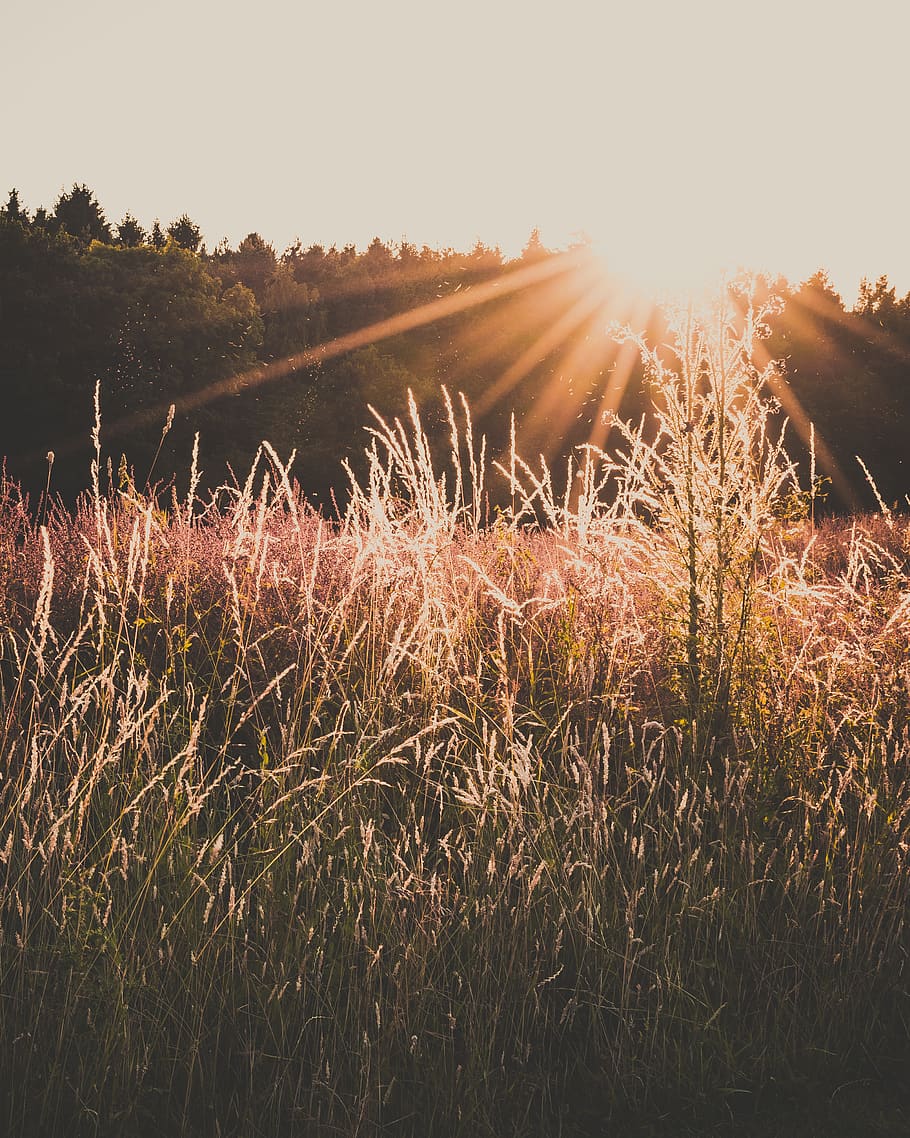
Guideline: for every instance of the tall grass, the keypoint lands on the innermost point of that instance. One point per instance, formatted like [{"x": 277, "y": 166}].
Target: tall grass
[{"x": 408, "y": 824}]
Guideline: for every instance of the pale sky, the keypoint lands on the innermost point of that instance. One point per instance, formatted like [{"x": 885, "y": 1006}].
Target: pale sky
[{"x": 679, "y": 134}]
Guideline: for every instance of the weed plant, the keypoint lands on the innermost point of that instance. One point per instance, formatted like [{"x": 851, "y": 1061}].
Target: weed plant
[{"x": 406, "y": 824}]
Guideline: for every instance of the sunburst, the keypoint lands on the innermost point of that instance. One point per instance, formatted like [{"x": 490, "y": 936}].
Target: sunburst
[{"x": 571, "y": 300}]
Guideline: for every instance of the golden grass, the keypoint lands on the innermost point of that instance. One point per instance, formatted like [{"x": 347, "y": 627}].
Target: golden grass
[{"x": 406, "y": 824}]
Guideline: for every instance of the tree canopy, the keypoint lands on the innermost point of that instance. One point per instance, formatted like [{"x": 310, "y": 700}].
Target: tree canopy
[
  {"x": 294, "y": 347},
  {"x": 79, "y": 214}
]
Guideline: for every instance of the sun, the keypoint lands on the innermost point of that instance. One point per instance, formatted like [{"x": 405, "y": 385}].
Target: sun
[{"x": 657, "y": 263}]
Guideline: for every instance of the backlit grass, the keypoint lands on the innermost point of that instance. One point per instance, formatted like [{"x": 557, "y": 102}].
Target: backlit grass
[{"x": 561, "y": 824}]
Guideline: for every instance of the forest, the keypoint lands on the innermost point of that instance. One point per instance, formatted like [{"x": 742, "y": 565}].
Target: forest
[{"x": 250, "y": 344}]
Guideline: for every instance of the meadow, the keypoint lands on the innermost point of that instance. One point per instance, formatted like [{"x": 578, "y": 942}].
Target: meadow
[{"x": 585, "y": 816}]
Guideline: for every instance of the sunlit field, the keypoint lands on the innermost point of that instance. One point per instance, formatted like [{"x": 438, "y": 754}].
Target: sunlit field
[{"x": 586, "y": 815}]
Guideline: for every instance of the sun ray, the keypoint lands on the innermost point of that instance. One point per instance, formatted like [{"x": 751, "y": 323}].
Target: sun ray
[
  {"x": 807, "y": 431},
  {"x": 525, "y": 309},
  {"x": 460, "y": 301},
  {"x": 572, "y": 295},
  {"x": 611, "y": 399},
  {"x": 552, "y": 336},
  {"x": 874, "y": 333},
  {"x": 562, "y": 402},
  {"x": 809, "y": 303}
]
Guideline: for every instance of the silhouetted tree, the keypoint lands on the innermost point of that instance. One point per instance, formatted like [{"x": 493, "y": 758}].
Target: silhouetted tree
[
  {"x": 186, "y": 233},
  {"x": 408, "y": 254},
  {"x": 876, "y": 301},
  {"x": 378, "y": 257},
  {"x": 483, "y": 259},
  {"x": 130, "y": 233},
  {"x": 13, "y": 210},
  {"x": 252, "y": 264},
  {"x": 535, "y": 250},
  {"x": 79, "y": 213}
]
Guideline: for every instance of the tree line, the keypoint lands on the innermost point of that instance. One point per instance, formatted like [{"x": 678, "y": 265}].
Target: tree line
[{"x": 235, "y": 339}]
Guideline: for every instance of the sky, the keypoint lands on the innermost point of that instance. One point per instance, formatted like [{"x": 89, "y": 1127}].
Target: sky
[{"x": 682, "y": 136}]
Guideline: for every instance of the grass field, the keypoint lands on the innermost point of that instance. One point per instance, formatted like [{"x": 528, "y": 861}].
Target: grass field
[{"x": 589, "y": 819}]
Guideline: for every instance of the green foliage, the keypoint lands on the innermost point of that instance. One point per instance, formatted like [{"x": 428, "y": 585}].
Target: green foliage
[
  {"x": 152, "y": 326},
  {"x": 252, "y": 264},
  {"x": 293, "y": 315}
]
